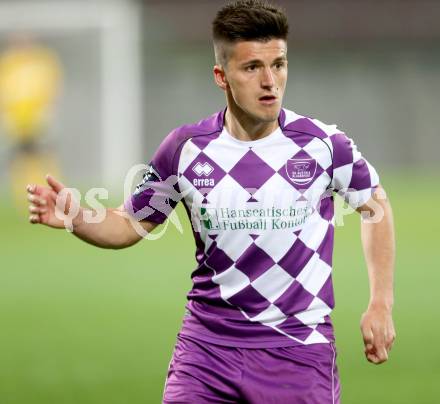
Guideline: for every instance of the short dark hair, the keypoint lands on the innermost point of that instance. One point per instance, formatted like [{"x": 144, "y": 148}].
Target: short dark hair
[{"x": 247, "y": 20}]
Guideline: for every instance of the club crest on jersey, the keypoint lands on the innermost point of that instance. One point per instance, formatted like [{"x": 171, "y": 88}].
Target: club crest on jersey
[
  {"x": 301, "y": 171},
  {"x": 203, "y": 170}
]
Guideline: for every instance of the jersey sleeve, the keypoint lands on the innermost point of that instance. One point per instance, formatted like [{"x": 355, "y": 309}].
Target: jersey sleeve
[
  {"x": 354, "y": 178},
  {"x": 157, "y": 194}
]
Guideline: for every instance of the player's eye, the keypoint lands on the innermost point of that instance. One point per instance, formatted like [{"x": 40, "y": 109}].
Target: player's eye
[
  {"x": 279, "y": 65},
  {"x": 251, "y": 68}
]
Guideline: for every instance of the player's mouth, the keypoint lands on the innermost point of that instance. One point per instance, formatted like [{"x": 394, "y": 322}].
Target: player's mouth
[{"x": 268, "y": 99}]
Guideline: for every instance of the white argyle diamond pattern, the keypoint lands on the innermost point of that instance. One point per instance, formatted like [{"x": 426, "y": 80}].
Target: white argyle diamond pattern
[
  {"x": 271, "y": 317},
  {"x": 223, "y": 154},
  {"x": 276, "y": 154},
  {"x": 273, "y": 275},
  {"x": 328, "y": 129},
  {"x": 229, "y": 193},
  {"x": 273, "y": 283},
  {"x": 316, "y": 309},
  {"x": 291, "y": 116},
  {"x": 318, "y": 190},
  {"x": 276, "y": 188},
  {"x": 315, "y": 338},
  {"x": 313, "y": 234},
  {"x": 357, "y": 198},
  {"x": 314, "y": 150},
  {"x": 314, "y": 275},
  {"x": 193, "y": 199},
  {"x": 342, "y": 176},
  {"x": 276, "y": 243},
  {"x": 189, "y": 153},
  {"x": 235, "y": 249},
  {"x": 270, "y": 290},
  {"x": 231, "y": 281},
  {"x": 208, "y": 240}
]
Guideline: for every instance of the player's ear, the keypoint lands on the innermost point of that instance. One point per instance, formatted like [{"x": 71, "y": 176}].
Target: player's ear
[{"x": 220, "y": 77}]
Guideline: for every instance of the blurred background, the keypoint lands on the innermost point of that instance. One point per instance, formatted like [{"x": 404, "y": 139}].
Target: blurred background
[{"x": 90, "y": 88}]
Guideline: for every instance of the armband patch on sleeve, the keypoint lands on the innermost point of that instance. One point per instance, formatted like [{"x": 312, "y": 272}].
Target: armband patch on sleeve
[{"x": 151, "y": 175}]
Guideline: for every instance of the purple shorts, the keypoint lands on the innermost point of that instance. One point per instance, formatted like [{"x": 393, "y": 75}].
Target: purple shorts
[{"x": 200, "y": 372}]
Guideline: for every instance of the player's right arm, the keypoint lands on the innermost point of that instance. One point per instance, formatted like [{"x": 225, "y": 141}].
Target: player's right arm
[
  {"x": 149, "y": 205},
  {"x": 115, "y": 231}
]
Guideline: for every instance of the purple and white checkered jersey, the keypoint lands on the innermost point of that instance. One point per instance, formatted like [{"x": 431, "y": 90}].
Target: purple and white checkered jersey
[{"x": 262, "y": 215}]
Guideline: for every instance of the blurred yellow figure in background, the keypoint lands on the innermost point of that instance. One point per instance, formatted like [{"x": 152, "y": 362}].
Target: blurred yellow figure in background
[{"x": 30, "y": 76}]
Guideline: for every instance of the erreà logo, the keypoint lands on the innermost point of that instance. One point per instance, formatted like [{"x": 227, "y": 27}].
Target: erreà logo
[
  {"x": 301, "y": 171},
  {"x": 204, "y": 170}
]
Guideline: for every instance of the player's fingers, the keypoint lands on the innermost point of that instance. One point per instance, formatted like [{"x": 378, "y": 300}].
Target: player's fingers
[
  {"x": 382, "y": 354},
  {"x": 379, "y": 345},
  {"x": 35, "y": 189},
  {"x": 380, "y": 350},
  {"x": 52, "y": 197},
  {"x": 376, "y": 358},
  {"x": 369, "y": 348},
  {"x": 379, "y": 338},
  {"x": 371, "y": 357},
  {"x": 368, "y": 337},
  {"x": 34, "y": 219},
  {"x": 390, "y": 338},
  {"x": 36, "y": 200},
  {"x": 54, "y": 184},
  {"x": 36, "y": 210}
]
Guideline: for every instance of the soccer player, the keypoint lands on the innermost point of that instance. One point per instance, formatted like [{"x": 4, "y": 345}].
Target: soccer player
[{"x": 256, "y": 180}]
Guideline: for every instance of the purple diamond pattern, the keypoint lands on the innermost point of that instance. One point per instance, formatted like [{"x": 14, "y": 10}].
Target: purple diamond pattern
[
  {"x": 202, "y": 141},
  {"x": 250, "y": 301},
  {"x": 233, "y": 307},
  {"x": 204, "y": 162},
  {"x": 326, "y": 329},
  {"x": 218, "y": 260},
  {"x": 254, "y": 262},
  {"x": 306, "y": 125},
  {"x": 252, "y": 199},
  {"x": 326, "y": 208},
  {"x": 326, "y": 293},
  {"x": 325, "y": 250},
  {"x": 361, "y": 176},
  {"x": 294, "y": 299},
  {"x": 296, "y": 328},
  {"x": 251, "y": 171},
  {"x": 296, "y": 258},
  {"x": 342, "y": 150},
  {"x": 302, "y": 139}
]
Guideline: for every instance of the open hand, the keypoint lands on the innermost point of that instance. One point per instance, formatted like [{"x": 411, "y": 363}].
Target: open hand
[{"x": 43, "y": 208}]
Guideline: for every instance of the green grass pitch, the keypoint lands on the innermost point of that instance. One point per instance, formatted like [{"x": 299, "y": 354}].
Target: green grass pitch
[{"x": 84, "y": 325}]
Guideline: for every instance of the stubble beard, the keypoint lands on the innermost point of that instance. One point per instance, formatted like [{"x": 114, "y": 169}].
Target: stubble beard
[{"x": 265, "y": 116}]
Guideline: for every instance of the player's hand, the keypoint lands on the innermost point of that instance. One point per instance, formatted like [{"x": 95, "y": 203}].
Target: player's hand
[
  {"x": 43, "y": 203},
  {"x": 378, "y": 333}
]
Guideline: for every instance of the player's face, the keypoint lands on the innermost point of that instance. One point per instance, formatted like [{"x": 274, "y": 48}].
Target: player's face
[{"x": 255, "y": 78}]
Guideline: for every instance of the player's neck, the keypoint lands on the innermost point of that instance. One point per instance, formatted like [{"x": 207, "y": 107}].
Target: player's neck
[{"x": 245, "y": 128}]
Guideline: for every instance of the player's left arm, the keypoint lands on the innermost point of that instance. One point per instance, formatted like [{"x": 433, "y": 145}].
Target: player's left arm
[{"x": 377, "y": 234}]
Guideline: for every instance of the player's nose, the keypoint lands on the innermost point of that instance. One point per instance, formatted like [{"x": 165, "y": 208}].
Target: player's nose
[{"x": 267, "y": 79}]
